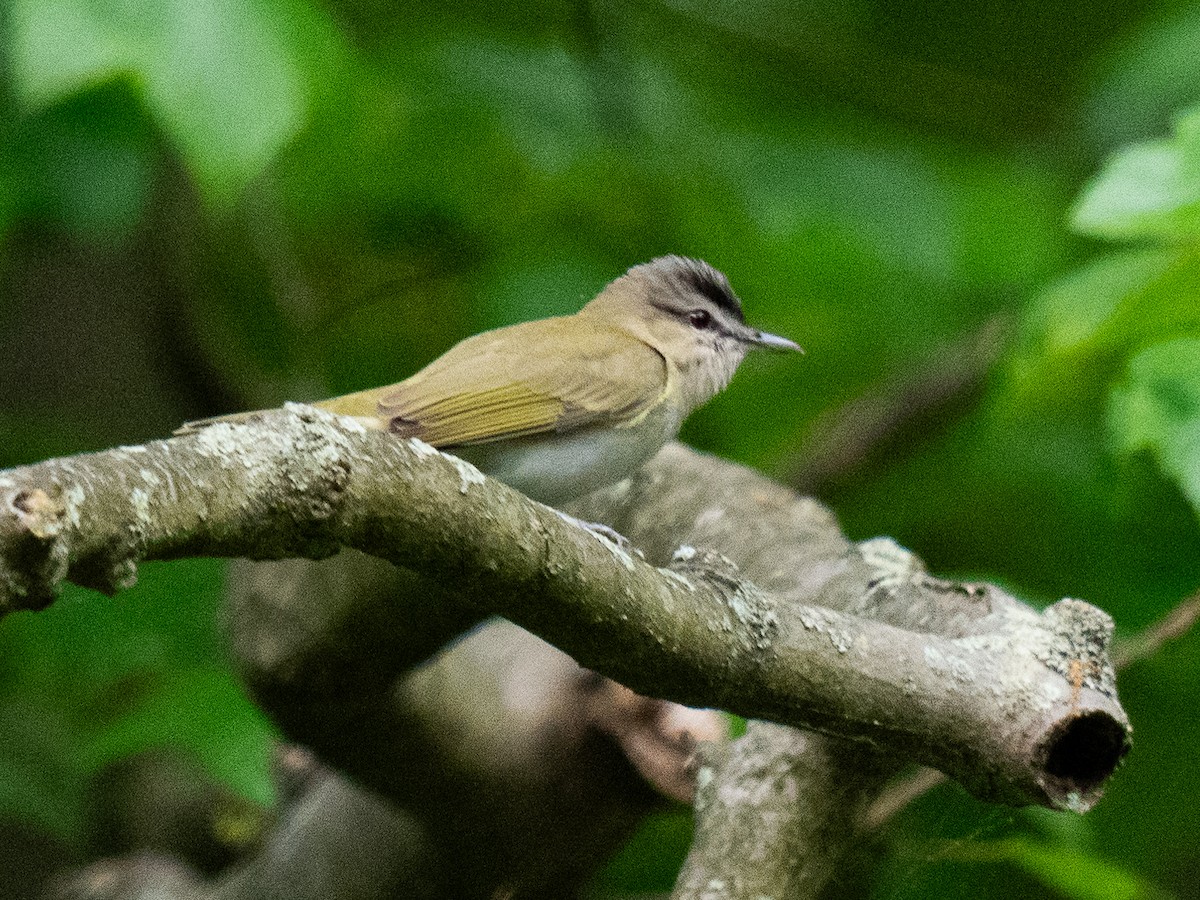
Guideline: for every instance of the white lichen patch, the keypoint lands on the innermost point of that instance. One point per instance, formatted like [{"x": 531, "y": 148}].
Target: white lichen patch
[
  {"x": 620, "y": 490},
  {"x": 752, "y": 611},
  {"x": 140, "y": 500},
  {"x": 302, "y": 459},
  {"x": 467, "y": 474},
  {"x": 1050, "y": 692},
  {"x": 682, "y": 580},
  {"x": 171, "y": 490},
  {"x": 75, "y": 496},
  {"x": 423, "y": 449},
  {"x": 948, "y": 665},
  {"x": 615, "y": 549},
  {"x": 893, "y": 565},
  {"x": 684, "y": 553},
  {"x": 613, "y": 542},
  {"x": 313, "y": 474},
  {"x": 744, "y": 611},
  {"x": 1074, "y": 802},
  {"x": 884, "y": 553},
  {"x": 1070, "y": 638},
  {"x": 814, "y": 619},
  {"x": 709, "y": 516},
  {"x": 123, "y": 575},
  {"x": 214, "y": 441},
  {"x": 7, "y": 482},
  {"x": 138, "y": 525}
]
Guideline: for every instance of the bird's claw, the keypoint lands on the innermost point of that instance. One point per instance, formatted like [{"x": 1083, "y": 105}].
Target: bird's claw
[{"x": 604, "y": 533}]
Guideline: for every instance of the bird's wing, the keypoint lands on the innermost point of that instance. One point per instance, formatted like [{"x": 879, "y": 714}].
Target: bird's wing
[{"x": 524, "y": 380}]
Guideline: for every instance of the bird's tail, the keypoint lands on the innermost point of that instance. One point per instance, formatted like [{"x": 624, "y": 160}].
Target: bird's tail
[{"x": 361, "y": 406}]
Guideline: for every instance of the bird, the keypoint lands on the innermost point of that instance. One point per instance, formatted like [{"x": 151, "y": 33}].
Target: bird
[{"x": 562, "y": 406}]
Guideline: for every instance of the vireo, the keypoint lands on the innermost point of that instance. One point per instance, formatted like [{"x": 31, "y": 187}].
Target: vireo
[{"x": 559, "y": 407}]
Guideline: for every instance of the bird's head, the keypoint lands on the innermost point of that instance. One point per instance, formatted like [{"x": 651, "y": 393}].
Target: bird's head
[{"x": 686, "y": 310}]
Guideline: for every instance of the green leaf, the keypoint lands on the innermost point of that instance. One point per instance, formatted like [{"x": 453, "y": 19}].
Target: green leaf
[
  {"x": 1076, "y": 309},
  {"x": 86, "y": 163},
  {"x": 1157, "y": 407},
  {"x": 90, "y": 679},
  {"x": 651, "y": 859},
  {"x": 1073, "y": 873},
  {"x": 1082, "y": 329},
  {"x": 206, "y": 712},
  {"x": 1150, "y": 190},
  {"x": 879, "y": 198},
  {"x": 62, "y": 46},
  {"x": 540, "y": 96},
  {"x": 229, "y": 80}
]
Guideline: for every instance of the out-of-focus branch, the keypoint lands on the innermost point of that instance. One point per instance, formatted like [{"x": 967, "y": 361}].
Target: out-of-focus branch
[
  {"x": 847, "y": 439},
  {"x": 498, "y": 749},
  {"x": 1175, "y": 624},
  {"x": 143, "y": 876},
  {"x": 775, "y": 810}
]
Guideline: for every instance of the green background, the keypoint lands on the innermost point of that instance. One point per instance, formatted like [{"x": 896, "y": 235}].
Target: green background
[{"x": 214, "y": 206}]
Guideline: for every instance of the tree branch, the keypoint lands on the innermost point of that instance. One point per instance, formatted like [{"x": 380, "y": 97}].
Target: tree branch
[
  {"x": 775, "y": 811},
  {"x": 780, "y": 540},
  {"x": 1024, "y": 711},
  {"x": 1175, "y": 624}
]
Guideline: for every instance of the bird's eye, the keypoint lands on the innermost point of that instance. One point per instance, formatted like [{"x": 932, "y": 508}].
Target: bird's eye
[{"x": 700, "y": 318}]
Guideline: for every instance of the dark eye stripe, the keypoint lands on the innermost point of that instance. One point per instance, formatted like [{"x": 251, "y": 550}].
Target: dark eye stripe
[
  {"x": 695, "y": 276},
  {"x": 707, "y": 281},
  {"x": 713, "y": 324}
]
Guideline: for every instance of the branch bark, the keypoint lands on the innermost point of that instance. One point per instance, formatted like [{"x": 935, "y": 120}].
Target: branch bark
[
  {"x": 775, "y": 811},
  {"x": 1024, "y": 711},
  {"x": 780, "y": 539},
  {"x": 497, "y": 749}
]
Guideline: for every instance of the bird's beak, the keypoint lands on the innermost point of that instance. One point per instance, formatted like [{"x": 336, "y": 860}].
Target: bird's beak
[{"x": 771, "y": 341}]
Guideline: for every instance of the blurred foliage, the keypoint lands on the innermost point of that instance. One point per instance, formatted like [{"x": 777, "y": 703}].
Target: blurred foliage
[
  {"x": 220, "y": 205},
  {"x": 84, "y": 683}
]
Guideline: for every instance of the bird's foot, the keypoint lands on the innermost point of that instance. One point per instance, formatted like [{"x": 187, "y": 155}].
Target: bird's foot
[{"x": 610, "y": 537}]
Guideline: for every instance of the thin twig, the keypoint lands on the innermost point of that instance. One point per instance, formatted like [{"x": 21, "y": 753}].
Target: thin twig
[{"x": 1171, "y": 627}]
